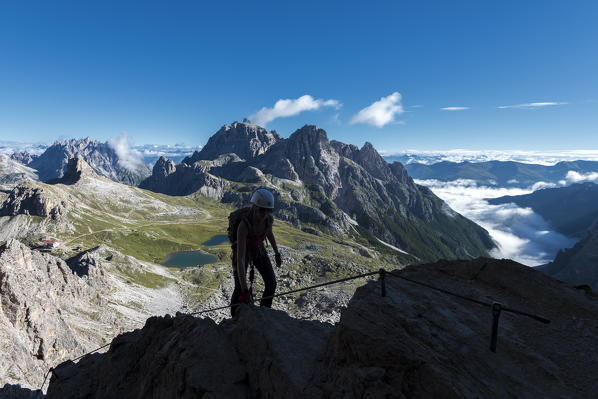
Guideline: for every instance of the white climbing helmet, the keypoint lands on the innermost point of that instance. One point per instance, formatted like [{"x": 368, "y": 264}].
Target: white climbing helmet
[{"x": 263, "y": 198}]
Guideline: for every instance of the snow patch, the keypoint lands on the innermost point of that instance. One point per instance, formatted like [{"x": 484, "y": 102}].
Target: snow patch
[{"x": 392, "y": 246}]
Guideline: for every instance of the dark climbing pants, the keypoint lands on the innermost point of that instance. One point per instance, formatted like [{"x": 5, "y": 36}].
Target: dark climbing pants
[{"x": 261, "y": 261}]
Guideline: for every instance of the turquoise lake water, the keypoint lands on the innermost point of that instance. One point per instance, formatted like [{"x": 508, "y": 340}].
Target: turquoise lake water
[{"x": 189, "y": 259}]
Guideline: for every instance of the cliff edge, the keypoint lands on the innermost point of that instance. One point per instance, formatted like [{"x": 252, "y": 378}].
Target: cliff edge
[{"x": 414, "y": 343}]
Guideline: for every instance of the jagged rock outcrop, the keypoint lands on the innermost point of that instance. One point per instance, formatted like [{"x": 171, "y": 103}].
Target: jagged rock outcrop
[
  {"x": 164, "y": 167},
  {"x": 33, "y": 201},
  {"x": 324, "y": 185},
  {"x": 251, "y": 175},
  {"x": 52, "y": 310},
  {"x": 244, "y": 139},
  {"x": 13, "y": 172},
  {"x": 41, "y": 201},
  {"x": 34, "y": 333},
  {"x": 23, "y": 157},
  {"x": 413, "y": 343},
  {"x": 183, "y": 179},
  {"x": 577, "y": 265},
  {"x": 75, "y": 169},
  {"x": 101, "y": 157}
]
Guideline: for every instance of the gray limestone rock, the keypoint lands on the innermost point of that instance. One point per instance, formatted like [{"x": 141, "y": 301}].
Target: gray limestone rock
[
  {"x": 435, "y": 345},
  {"x": 243, "y": 139},
  {"x": 334, "y": 185},
  {"x": 10, "y": 391},
  {"x": 13, "y": 172},
  {"x": 182, "y": 357},
  {"x": 51, "y": 310},
  {"x": 33, "y": 201},
  {"x": 577, "y": 265},
  {"x": 34, "y": 334},
  {"x": 75, "y": 169},
  {"x": 415, "y": 342},
  {"x": 23, "y": 157},
  {"x": 102, "y": 158},
  {"x": 251, "y": 175}
]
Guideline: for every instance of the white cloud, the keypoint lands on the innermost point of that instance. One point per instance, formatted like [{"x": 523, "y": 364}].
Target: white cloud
[
  {"x": 521, "y": 234},
  {"x": 289, "y": 107},
  {"x": 532, "y": 105},
  {"x": 454, "y": 108},
  {"x": 542, "y": 184},
  {"x": 381, "y": 112},
  {"x": 547, "y": 158},
  {"x": 128, "y": 157},
  {"x": 576, "y": 177},
  {"x": 8, "y": 147}
]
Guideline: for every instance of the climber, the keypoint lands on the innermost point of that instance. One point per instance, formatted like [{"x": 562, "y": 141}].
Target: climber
[{"x": 248, "y": 228}]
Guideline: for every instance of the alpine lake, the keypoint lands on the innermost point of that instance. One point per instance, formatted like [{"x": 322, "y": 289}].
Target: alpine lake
[{"x": 195, "y": 258}]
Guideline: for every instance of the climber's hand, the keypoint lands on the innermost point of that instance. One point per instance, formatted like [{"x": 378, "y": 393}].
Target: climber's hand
[{"x": 278, "y": 259}]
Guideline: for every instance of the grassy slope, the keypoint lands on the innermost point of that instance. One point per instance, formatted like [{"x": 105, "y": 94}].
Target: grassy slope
[{"x": 149, "y": 226}]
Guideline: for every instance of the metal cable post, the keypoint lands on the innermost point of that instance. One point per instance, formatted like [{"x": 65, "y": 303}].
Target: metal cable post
[{"x": 496, "y": 308}]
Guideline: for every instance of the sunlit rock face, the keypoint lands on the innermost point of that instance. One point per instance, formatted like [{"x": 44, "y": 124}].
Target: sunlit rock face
[
  {"x": 13, "y": 170},
  {"x": 105, "y": 159},
  {"x": 52, "y": 310},
  {"x": 244, "y": 139},
  {"x": 323, "y": 184}
]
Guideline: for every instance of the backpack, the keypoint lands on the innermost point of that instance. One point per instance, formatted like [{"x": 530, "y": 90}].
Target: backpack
[{"x": 234, "y": 219}]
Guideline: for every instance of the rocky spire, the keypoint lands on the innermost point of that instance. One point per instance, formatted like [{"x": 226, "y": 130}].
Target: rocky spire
[
  {"x": 244, "y": 139},
  {"x": 76, "y": 169}
]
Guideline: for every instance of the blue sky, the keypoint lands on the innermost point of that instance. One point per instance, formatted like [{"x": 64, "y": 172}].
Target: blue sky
[{"x": 174, "y": 72}]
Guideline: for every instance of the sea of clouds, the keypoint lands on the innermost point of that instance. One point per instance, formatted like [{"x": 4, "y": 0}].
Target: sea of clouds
[
  {"x": 533, "y": 157},
  {"x": 8, "y": 147},
  {"x": 521, "y": 234}
]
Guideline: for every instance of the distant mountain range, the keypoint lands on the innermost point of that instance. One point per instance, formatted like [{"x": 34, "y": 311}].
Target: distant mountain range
[
  {"x": 101, "y": 157},
  {"x": 14, "y": 172},
  {"x": 570, "y": 210},
  {"x": 324, "y": 184},
  {"x": 121, "y": 163},
  {"x": 505, "y": 174},
  {"x": 577, "y": 265}
]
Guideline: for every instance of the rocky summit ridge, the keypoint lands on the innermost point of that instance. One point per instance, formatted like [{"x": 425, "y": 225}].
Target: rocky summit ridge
[
  {"x": 244, "y": 139},
  {"x": 14, "y": 172},
  {"x": 323, "y": 184},
  {"x": 414, "y": 343},
  {"x": 35, "y": 200},
  {"x": 103, "y": 159}
]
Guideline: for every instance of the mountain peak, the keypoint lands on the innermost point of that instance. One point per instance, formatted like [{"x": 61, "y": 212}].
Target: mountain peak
[
  {"x": 369, "y": 158},
  {"x": 309, "y": 137},
  {"x": 76, "y": 169},
  {"x": 100, "y": 157},
  {"x": 241, "y": 138},
  {"x": 164, "y": 167},
  {"x": 368, "y": 147}
]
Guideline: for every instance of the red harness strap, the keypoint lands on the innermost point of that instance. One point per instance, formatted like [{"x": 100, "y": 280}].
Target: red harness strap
[{"x": 254, "y": 241}]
